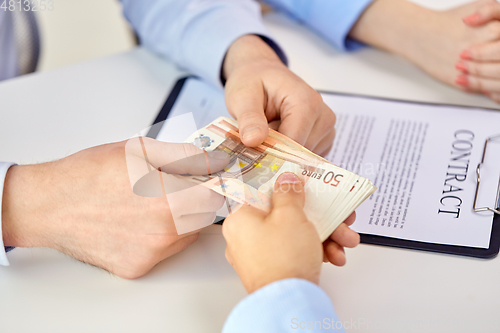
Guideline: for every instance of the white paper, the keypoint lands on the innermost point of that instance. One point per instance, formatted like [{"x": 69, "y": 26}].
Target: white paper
[{"x": 407, "y": 151}]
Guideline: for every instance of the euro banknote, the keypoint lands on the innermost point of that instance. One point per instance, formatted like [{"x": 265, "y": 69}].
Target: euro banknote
[{"x": 332, "y": 193}]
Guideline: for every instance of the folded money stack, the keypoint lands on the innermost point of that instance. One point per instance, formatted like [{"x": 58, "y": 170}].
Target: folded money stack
[{"x": 332, "y": 193}]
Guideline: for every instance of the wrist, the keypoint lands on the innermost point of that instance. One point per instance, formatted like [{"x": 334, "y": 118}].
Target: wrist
[
  {"x": 247, "y": 50},
  {"x": 21, "y": 215}
]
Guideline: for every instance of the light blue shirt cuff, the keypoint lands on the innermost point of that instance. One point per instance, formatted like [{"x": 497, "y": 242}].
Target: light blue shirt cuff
[
  {"x": 283, "y": 306},
  {"x": 4, "y": 167},
  {"x": 332, "y": 19}
]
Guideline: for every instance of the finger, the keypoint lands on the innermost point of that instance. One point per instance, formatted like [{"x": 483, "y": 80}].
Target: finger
[
  {"x": 345, "y": 237},
  {"x": 177, "y": 158},
  {"x": 484, "y": 69},
  {"x": 487, "y": 11},
  {"x": 299, "y": 116},
  {"x": 478, "y": 84},
  {"x": 326, "y": 144},
  {"x": 334, "y": 252},
  {"x": 351, "y": 219},
  {"x": 482, "y": 52},
  {"x": 275, "y": 124},
  {"x": 247, "y": 106},
  {"x": 191, "y": 200},
  {"x": 289, "y": 198},
  {"x": 322, "y": 129},
  {"x": 193, "y": 222},
  {"x": 494, "y": 96}
]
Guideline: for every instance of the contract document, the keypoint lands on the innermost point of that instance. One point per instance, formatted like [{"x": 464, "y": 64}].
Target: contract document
[{"x": 422, "y": 158}]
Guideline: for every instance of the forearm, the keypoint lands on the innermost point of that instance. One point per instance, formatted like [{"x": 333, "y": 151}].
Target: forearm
[{"x": 395, "y": 26}]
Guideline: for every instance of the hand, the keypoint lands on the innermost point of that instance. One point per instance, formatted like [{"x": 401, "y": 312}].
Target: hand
[
  {"x": 266, "y": 247},
  {"x": 434, "y": 40},
  {"x": 343, "y": 236},
  {"x": 260, "y": 89},
  {"x": 83, "y": 205},
  {"x": 480, "y": 64}
]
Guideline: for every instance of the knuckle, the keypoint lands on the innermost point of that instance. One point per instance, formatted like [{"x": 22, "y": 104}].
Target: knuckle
[
  {"x": 316, "y": 100},
  {"x": 328, "y": 124},
  {"x": 490, "y": 7},
  {"x": 478, "y": 84},
  {"x": 494, "y": 28},
  {"x": 282, "y": 212},
  {"x": 474, "y": 68}
]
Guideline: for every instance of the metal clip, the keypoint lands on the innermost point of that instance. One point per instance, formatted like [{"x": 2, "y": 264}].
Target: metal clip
[{"x": 478, "y": 177}]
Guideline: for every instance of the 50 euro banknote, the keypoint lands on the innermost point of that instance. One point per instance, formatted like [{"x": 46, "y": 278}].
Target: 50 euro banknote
[{"x": 331, "y": 193}]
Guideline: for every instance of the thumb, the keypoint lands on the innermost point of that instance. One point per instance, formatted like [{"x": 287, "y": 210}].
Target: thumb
[
  {"x": 247, "y": 106},
  {"x": 488, "y": 11},
  {"x": 176, "y": 158},
  {"x": 289, "y": 197}
]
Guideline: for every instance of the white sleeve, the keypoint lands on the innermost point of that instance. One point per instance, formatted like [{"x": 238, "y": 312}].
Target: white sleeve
[{"x": 4, "y": 167}]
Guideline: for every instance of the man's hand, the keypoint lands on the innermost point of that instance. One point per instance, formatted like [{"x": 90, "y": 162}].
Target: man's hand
[
  {"x": 260, "y": 89},
  {"x": 266, "y": 247},
  {"x": 84, "y": 206}
]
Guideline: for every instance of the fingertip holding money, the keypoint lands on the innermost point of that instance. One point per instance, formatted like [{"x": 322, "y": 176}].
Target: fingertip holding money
[
  {"x": 279, "y": 163},
  {"x": 288, "y": 180}
]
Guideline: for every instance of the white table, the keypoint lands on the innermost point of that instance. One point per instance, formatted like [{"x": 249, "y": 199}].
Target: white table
[{"x": 48, "y": 116}]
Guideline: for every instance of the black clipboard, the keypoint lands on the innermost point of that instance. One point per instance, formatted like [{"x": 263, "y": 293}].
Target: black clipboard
[{"x": 489, "y": 253}]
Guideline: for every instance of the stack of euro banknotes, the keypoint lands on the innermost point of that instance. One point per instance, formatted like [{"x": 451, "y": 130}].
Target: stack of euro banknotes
[{"x": 331, "y": 193}]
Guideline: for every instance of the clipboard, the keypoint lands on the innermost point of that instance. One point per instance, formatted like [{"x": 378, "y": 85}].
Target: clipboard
[{"x": 489, "y": 253}]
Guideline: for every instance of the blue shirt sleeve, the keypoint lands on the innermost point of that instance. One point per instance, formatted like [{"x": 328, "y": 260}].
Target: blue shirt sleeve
[
  {"x": 332, "y": 19},
  {"x": 196, "y": 34},
  {"x": 288, "y": 305},
  {"x": 4, "y": 167}
]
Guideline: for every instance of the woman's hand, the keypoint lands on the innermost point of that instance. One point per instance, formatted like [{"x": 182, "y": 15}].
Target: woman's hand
[
  {"x": 480, "y": 62},
  {"x": 460, "y": 47},
  {"x": 266, "y": 247}
]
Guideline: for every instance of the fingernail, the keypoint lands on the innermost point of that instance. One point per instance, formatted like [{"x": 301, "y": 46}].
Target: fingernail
[
  {"x": 465, "y": 55},
  {"x": 287, "y": 178},
  {"x": 461, "y": 67},
  {"x": 462, "y": 80},
  {"x": 471, "y": 18},
  {"x": 251, "y": 132},
  {"x": 218, "y": 155}
]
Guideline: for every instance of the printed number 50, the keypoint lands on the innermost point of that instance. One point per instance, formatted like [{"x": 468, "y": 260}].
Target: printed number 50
[{"x": 331, "y": 176}]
